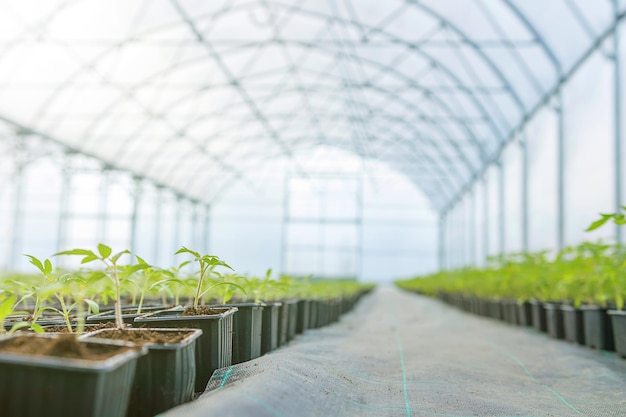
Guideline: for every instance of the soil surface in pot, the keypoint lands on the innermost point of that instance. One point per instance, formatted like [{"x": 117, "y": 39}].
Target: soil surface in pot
[
  {"x": 88, "y": 327},
  {"x": 145, "y": 336},
  {"x": 201, "y": 311},
  {"x": 65, "y": 346}
]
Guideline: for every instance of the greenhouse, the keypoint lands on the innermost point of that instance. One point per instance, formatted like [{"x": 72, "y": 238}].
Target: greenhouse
[{"x": 312, "y": 208}]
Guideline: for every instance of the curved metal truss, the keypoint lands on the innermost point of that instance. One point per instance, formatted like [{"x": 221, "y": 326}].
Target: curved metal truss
[{"x": 195, "y": 94}]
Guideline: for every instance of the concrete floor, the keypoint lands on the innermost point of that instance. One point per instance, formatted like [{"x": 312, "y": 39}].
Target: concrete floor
[{"x": 399, "y": 354}]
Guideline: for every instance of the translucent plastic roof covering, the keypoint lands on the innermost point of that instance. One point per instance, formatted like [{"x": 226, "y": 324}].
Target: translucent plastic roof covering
[{"x": 194, "y": 94}]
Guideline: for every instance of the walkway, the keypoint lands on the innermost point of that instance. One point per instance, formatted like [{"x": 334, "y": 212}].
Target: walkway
[{"x": 399, "y": 354}]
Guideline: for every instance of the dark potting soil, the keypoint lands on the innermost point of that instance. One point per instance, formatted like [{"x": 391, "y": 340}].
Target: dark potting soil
[
  {"x": 65, "y": 346},
  {"x": 201, "y": 311},
  {"x": 145, "y": 336},
  {"x": 88, "y": 327}
]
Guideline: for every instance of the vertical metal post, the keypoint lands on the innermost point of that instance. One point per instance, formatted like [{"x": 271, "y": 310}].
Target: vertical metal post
[
  {"x": 177, "y": 242},
  {"x": 157, "y": 224},
  {"x": 18, "y": 211},
  {"x": 486, "y": 217},
  {"x": 442, "y": 241},
  {"x": 207, "y": 228},
  {"x": 472, "y": 231},
  {"x": 619, "y": 170},
  {"x": 359, "y": 226},
  {"x": 560, "y": 174},
  {"x": 501, "y": 208},
  {"x": 195, "y": 241},
  {"x": 66, "y": 183},
  {"x": 284, "y": 232},
  {"x": 134, "y": 215},
  {"x": 102, "y": 215},
  {"x": 524, "y": 149}
]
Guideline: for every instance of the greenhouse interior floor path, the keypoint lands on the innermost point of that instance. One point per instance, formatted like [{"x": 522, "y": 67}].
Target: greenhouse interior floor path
[{"x": 399, "y": 354}]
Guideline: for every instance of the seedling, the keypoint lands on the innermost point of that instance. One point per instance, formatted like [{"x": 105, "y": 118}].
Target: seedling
[
  {"x": 111, "y": 269},
  {"x": 206, "y": 263}
]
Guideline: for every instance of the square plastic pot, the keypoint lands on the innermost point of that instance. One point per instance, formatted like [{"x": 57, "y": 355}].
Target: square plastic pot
[
  {"x": 283, "y": 323},
  {"x": 269, "y": 332},
  {"x": 509, "y": 311},
  {"x": 313, "y": 314},
  {"x": 36, "y": 386},
  {"x": 247, "y": 328},
  {"x": 524, "y": 314},
  {"x": 597, "y": 327},
  {"x": 538, "y": 313},
  {"x": 213, "y": 348},
  {"x": 303, "y": 316},
  {"x": 554, "y": 320},
  {"x": 618, "y": 324},
  {"x": 573, "y": 324},
  {"x": 165, "y": 377},
  {"x": 292, "y": 320}
]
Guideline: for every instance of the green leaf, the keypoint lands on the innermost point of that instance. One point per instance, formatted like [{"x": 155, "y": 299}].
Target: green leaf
[
  {"x": 89, "y": 258},
  {"x": 6, "y": 306},
  {"x": 185, "y": 250},
  {"x": 83, "y": 252},
  {"x": 47, "y": 265},
  {"x": 93, "y": 306},
  {"x": 20, "y": 325},
  {"x": 36, "y": 262},
  {"x": 104, "y": 250},
  {"x": 140, "y": 260},
  {"x": 599, "y": 223},
  {"x": 134, "y": 268},
  {"x": 37, "y": 328},
  {"x": 115, "y": 257}
]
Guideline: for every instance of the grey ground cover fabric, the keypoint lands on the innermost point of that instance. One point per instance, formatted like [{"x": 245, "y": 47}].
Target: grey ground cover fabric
[{"x": 399, "y": 354}]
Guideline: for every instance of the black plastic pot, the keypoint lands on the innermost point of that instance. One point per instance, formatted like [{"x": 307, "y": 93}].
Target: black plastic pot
[
  {"x": 292, "y": 320},
  {"x": 213, "y": 347},
  {"x": 573, "y": 324},
  {"x": 509, "y": 311},
  {"x": 165, "y": 377},
  {"x": 495, "y": 309},
  {"x": 303, "y": 316},
  {"x": 128, "y": 318},
  {"x": 554, "y": 320},
  {"x": 524, "y": 314},
  {"x": 36, "y": 386},
  {"x": 538, "y": 313},
  {"x": 597, "y": 327},
  {"x": 618, "y": 325},
  {"x": 283, "y": 323},
  {"x": 313, "y": 314},
  {"x": 247, "y": 328},
  {"x": 269, "y": 332}
]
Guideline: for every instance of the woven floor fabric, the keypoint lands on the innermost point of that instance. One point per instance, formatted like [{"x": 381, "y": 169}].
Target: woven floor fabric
[{"x": 400, "y": 354}]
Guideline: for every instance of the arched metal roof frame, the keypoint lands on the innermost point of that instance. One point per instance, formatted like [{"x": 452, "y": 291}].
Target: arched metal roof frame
[
  {"x": 440, "y": 66},
  {"x": 436, "y": 63}
]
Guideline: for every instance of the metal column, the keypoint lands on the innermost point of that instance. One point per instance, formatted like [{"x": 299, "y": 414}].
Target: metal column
[
  {"x": 619, "y": 169},
  {"x": 501, "y": 209},
  {"x": 16, "y": 242},
  {"x": 157, "y": 225},
  {"x": 524, "y": 149},
  {"x": 472, "y": 231},
  {"x": 66, "y": 183},
  {"x": 485, "y": 217},
  {"x": 134, "y": 215},
  {"x": 102, "y": 215},
  {"x": 442, "y": 241},
  {"x": 207, "y": 229},
  {"x": 560, "y": 173}
]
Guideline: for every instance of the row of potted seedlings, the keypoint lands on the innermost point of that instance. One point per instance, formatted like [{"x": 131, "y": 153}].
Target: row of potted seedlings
[
  {"x": 132, "y": 339},
  {"x": 577, "y": 295}
]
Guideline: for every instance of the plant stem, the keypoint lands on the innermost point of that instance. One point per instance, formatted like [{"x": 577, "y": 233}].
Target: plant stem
[
  {"x": 66, "y": 314},
  {"x": 118, "y": 302},
  {"x": 197, "y": 297}
]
